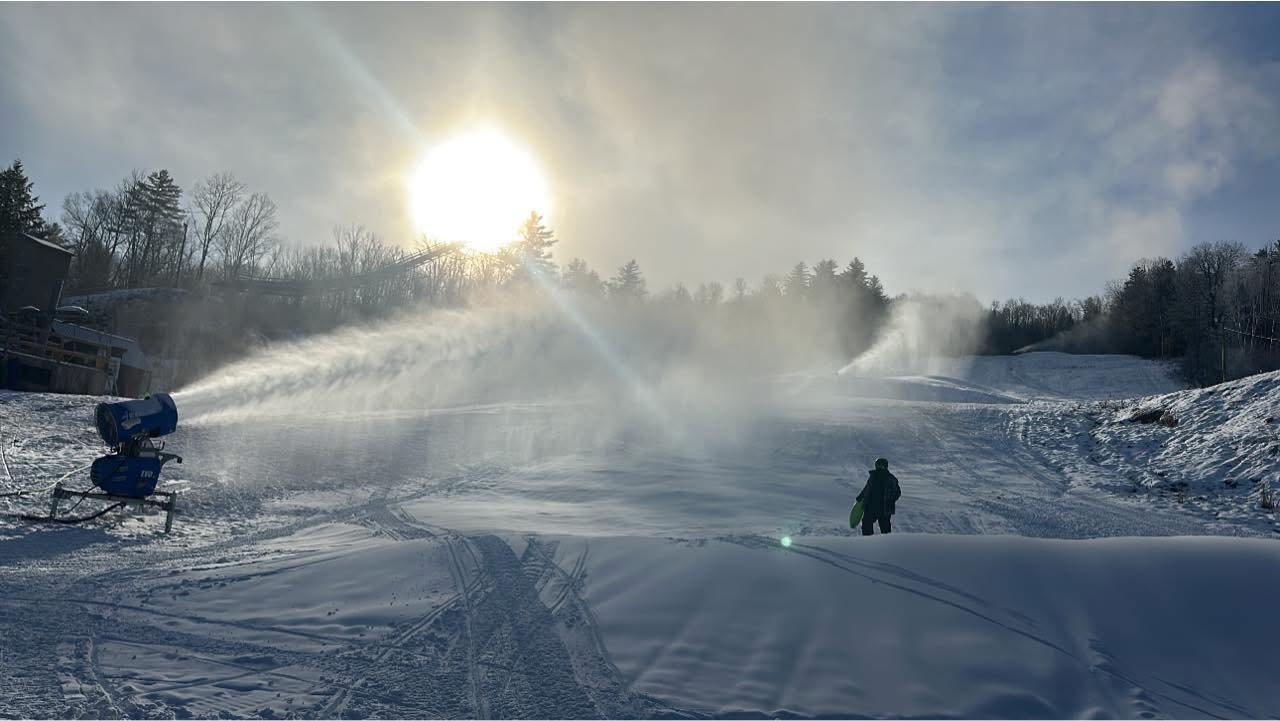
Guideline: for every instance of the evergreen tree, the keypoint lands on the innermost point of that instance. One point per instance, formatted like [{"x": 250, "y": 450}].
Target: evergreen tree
[
  {"x": 855, "y": 275},
  {"x": 825, "y": 287},
  {"x": 797, "y": 283},
  {"x": 163, "y": 225},
  {"x": 152, "y": 224},
  {"x": 629, "y": 283},
  {"x": 19, "y": 207},
  {"x": 533, "y": 244},
  {"x": 580, "y": 278},
  {"x": 876, "y": 290},
  {"x": 19, "y": 211},
  {"x": 824, "y": 275}
]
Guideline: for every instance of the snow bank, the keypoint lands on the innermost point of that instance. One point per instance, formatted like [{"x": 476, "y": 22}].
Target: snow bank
[{"x": 1221, "y": 455}]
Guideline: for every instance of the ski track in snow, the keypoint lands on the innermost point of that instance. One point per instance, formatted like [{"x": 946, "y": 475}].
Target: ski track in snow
[{"x": 453, "y": 581}]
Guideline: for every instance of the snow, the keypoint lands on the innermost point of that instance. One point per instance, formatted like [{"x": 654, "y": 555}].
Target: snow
[
  {"x": 1224, "y": 451},
  {"x": 562, "y": 559},
  {"x": 1063, "y": 376}
]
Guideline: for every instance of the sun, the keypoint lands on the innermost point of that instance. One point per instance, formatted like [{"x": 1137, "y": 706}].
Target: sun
[{"x": 476, "y": 189}]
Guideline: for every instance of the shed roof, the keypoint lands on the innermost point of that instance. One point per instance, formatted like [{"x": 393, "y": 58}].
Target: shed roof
[{"x": 45, "y": 243}]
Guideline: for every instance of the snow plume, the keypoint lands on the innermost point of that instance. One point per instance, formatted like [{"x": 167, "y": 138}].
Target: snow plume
[
  {"x": 583, "y": 371},
  {"x": 1091, "y": 336},
  {"x": 922, "y": 331}
]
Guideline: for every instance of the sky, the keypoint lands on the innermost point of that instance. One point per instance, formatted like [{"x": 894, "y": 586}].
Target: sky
[{"x": 1004, "y": 150}]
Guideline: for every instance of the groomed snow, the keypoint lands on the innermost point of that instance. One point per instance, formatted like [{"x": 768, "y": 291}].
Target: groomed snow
[{"x": 562, "y": 560}]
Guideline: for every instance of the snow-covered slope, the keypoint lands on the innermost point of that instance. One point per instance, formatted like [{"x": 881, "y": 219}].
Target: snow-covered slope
[
  {"x": 1062, "y": 376},
  {"x": 563, "y": 559},
  {"x": 1220, "y": 458},
  {"x": 399, "y": 618}
]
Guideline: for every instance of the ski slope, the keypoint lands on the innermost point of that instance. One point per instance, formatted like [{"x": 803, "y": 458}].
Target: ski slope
[{"x": 557, "y": 558}]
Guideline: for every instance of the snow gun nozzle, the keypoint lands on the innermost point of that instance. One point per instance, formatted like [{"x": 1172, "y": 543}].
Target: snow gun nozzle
[{"x": 152, "y": 417}]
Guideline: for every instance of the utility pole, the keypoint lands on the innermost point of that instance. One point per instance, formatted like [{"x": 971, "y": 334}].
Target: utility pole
[
  {"x": 182, "y": 253},
  {"x": 1223, "y": 336}
]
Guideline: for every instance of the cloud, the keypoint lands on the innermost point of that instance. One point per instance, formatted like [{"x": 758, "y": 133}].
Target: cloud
[{"x": 1001, "y": 150}]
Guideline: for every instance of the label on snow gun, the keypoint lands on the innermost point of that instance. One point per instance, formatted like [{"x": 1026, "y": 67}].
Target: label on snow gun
[{"x": 855, "y": 514}]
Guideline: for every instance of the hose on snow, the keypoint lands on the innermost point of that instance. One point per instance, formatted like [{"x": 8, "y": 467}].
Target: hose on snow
[{"x": 50, "y": 487}]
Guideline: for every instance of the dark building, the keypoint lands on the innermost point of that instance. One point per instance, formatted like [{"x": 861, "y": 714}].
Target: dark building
[
  {"x": 35, "y": 274},
  {"x": 43, "y": 354}
]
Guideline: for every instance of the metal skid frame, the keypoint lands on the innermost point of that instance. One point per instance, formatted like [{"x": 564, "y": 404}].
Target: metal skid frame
[{"x": 169, "y": 504}]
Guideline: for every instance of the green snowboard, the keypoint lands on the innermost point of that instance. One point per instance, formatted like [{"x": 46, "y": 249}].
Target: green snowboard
[{"x": 855, "y": 515}]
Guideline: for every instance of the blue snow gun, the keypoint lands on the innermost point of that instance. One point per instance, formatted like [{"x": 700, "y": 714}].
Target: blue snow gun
[
  {"x": 153, "y": 416},
  {"x": 132, "y": 469}
]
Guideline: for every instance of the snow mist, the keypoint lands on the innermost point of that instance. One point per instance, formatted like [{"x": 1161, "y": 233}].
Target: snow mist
[
  {"x": 591, "y": 370},
  {"x": 923, "y": 336}
]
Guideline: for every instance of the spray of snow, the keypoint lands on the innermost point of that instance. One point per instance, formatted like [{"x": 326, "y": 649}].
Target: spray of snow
[
  {"x": 517, "y": 380},
  {"x": 923, "y": 336}
]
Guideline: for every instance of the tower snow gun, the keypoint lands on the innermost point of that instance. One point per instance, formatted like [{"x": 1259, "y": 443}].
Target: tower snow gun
[{"x": 129, "y": 474}]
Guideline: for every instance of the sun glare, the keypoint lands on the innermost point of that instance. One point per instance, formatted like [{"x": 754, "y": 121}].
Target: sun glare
[{"x": 476, "y": 189}]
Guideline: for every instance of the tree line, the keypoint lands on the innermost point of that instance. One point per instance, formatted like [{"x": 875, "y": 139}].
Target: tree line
[{"x": 1216, "y": 308}]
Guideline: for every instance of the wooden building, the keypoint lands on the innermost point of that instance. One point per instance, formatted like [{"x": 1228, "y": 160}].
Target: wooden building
[
  {"x": 41, "y": 353},
  {"x": 35, "y": 274}
]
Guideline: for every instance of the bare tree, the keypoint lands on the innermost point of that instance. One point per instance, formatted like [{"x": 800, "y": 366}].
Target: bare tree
[
  {"x": 212, "y": 201},
  {"x": 249, "y": 235}
]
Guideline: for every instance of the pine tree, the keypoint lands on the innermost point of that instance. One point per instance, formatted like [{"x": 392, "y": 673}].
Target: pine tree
[
  {"x": 533, "y": 245},
  {"x": 629, "y": 283},
  {"x": 578, "y": 277},
  {"x": 855, "y": 274},
  {"x": 20, "y": 209},
  {"x": 876, "y": 290},
  {"x": 797, "y": 283},
  {"x": 824, "y": 274},
  {"x": 824, "y": 287},
  {"x": 163, "y": 229}
]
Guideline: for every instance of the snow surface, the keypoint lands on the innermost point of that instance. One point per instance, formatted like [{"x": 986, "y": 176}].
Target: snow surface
[{"x": 1050, "y": 558}]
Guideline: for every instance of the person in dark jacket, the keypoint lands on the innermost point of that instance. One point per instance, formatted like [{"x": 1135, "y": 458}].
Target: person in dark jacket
[{"x": 880, "y": 497}]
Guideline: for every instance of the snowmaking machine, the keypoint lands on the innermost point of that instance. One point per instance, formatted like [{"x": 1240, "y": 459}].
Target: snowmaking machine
[{"x": 129, "y": 474}]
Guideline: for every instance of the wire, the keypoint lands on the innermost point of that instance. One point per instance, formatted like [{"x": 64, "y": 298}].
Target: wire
[
  {"x": 50, "y": 487},
  {"x": 74, "y": 506},
  {"x": 1252, "y": 335}
]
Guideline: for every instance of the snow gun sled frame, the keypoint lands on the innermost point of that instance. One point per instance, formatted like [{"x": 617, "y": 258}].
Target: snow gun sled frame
[
  {"x": 169, "y": 504},
  {"x": 129, "y": 474}
]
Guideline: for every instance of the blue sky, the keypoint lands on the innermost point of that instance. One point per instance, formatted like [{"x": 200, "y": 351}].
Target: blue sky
[{"x": 1032, "y": 150}]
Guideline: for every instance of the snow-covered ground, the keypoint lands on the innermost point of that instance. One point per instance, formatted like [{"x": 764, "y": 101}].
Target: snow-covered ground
[{"x": 536, "y": 559}]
